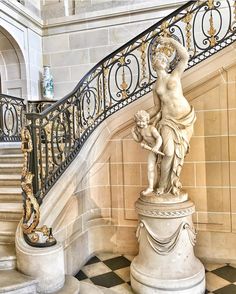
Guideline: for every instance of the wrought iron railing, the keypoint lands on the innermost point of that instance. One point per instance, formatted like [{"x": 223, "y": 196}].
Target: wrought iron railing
[
  {"x": 12, "y": 116},
  {"x": 38, "y": 106},
  {"x": 58, "y": 133}
]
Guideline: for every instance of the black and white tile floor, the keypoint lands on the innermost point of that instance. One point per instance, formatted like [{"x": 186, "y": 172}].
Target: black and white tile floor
[{"x": 112, "y": 271}]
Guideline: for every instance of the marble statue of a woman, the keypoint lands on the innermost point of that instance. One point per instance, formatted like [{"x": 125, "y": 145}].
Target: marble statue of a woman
[{"x": 174, "y": 116}]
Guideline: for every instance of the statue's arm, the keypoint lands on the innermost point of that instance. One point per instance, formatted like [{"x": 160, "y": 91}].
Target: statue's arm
[{"x": 182, "y": 53}]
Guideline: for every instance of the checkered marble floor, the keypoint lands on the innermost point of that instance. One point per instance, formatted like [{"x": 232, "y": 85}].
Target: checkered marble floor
[{"x": 112, "y": 271}]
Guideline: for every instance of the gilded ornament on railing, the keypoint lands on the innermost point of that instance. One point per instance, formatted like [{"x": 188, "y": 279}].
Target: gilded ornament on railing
[
  {"x": 123, "y": 85},
  {"x": 187, "y": 20},
  {"x": 210, "y": 4},
  {"x": 233, "y": 26},
  {"x": 165, "y": 29},
  {"x": 37, "y": 237},
  {"x": 48, "y": 131},
  {"x": 142, "y": 49},
  {"x": 212, "y": 32}
]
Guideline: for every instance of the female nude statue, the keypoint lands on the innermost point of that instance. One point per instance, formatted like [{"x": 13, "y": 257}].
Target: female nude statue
[{"x": 174, "y": 116}]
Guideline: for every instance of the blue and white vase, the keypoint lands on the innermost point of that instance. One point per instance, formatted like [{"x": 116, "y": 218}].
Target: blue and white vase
[{"x": 47, "y": 83}]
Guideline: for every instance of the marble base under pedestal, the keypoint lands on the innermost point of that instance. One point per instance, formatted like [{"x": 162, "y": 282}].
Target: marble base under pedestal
[{"x": 166, "y": 262}]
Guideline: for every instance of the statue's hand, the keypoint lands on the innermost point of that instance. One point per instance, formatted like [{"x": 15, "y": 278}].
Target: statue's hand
[{"x": 155, "y": 150}]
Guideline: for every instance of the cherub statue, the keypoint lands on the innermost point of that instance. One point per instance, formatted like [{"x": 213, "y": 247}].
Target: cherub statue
[{"x": 151, "y": 140}]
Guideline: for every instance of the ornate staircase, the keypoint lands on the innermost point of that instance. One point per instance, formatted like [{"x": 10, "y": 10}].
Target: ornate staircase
[{"x": 59, "y": 132}]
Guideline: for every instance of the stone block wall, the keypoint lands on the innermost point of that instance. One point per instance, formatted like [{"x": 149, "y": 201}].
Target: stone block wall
[{"x": 73, "y": 45}]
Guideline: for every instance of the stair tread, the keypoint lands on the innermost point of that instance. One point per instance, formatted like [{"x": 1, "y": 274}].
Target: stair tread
[
  {"x": 7, "y": 233},
  {"x": 11, "y": 207},
  {"x": 11, "y": 165},
  {"x": 7, "y": 252},
  {"x": 10, "y": 176},
  {"x": 11, "y": 155},
  {"x": 10, "y": 190},
  {"x": 12, "y": 280}
]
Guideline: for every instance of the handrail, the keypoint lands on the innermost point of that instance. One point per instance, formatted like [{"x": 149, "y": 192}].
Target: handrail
[
  {"x": 59, "y": 132},
  {"x": 12, "y": 116}
]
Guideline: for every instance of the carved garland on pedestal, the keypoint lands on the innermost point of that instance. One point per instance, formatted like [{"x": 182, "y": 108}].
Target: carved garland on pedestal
[
  {"x": 164, "y": 214},
  {"x": 37, "y": 237},
  {"x": 164, "y": 246}
]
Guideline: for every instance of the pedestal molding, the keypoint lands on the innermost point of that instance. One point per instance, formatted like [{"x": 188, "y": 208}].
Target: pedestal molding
[{"x": 164, "y": 211}]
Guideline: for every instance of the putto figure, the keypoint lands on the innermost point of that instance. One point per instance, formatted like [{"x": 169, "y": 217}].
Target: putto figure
[
  {"x": 173, "y": 115},
  {"x": 151, "y": 140}
]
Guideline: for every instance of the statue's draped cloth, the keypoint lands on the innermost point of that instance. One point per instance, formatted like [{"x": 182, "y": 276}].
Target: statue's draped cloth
[{"x": 179, "y": 132}]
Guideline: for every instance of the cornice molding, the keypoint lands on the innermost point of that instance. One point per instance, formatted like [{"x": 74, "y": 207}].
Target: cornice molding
[
  {"x": 105, "y": 14},
  {"x": 22, "y": 15}
]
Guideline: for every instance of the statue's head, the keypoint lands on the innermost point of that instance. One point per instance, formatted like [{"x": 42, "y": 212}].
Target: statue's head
[
  {"x": 142, "y": 118},
  {"x": 160, "y": 61}
]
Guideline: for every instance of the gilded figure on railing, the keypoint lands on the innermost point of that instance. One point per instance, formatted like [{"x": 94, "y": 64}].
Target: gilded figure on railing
[{"x": 173, "y": 118}]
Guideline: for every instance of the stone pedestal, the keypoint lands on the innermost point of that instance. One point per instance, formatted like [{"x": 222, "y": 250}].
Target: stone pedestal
[
  {"x": 46, "y": 265},
  {"x": 166, "y": 262}
]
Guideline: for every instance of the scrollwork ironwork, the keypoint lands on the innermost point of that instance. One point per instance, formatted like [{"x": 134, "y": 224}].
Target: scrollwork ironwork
[
  {"x": 204, "y": 27},
  {"x": 37, "y": 237},
  {"x": 12, "y": 118}
]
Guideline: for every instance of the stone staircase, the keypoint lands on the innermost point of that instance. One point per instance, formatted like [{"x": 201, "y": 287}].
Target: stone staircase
[
  {"x": 12, "y": 281},
  {"x": 11, "y": 160}
]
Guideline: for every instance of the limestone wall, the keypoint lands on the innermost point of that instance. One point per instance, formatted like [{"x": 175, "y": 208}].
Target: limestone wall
[{"x": 73, "y": 45}]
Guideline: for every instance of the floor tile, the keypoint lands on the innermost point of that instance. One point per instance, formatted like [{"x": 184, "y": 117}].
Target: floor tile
[
  {"x": 92, "y": 260},
  {"x": 124, "y": 273},
  {"x": 107, "y": 280},
  {"x": 123, "y": 289},
  {"x": 117, "y": 262},
  {"x": 129, "y": 257},
  {"x": 81, "y": 276},
  {"x": 230, "y": 289},
  {"x": 113, "y": 271},
  {"x": 88, "y": 281},
  {"x": 95, "y": 269},
  {"x": 105, "y": 256},
  {"x": 213, "y": 266},
  {"x": 227, "y": 272},
  {"x": 214, "y": 282}
]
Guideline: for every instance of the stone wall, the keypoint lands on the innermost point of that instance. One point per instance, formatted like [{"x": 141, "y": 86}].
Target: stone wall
[{"x": 73, "y": 45}]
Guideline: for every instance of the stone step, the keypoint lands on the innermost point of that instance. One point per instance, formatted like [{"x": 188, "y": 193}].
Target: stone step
[
  {"x": 92, "y": 289},
  {"x": 10, "y": 148},
  {"x": 13, "y": 282},
  {"x": 7, "y": 257},
  {"x": 11, "y": 158},
  {"x": 7, "y": 237},
  {"x": 6, "y": 168},
  {"x": 10, "y": 194},
  {"x": 10, "y": 180},
  {"x": 9, "y": 226},
  {"x": 10, "y": 211}
]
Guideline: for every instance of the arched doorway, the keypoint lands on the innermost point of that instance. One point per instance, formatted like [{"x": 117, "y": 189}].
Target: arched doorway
[{"x": 12, "y": 66}]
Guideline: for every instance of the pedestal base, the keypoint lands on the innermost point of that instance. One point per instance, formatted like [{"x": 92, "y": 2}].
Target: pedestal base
[{"x": 166, "y": 262}]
